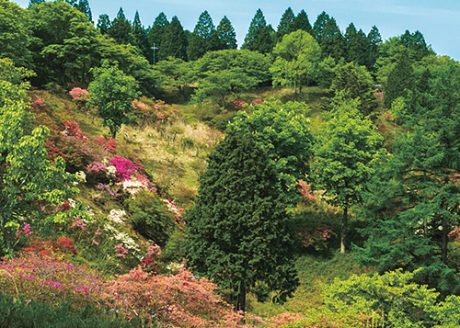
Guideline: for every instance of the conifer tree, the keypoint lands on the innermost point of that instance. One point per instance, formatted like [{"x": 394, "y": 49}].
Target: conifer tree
[
  {"x": 83, "y": 6},
  {"x": 35, "y": 2},
  {"x": 329, "y": 36},
  {"x": 120, "y": 29},
  {"x": 140, "y": 39},
  {"x": 400, "y": 79},
  {"x": 174, "y": 43},
  {"x": 226, "y": 34},
  {"x": 286, "y": 25},
  {"x": 357, "y": 45},
  {"x": 302, "y": 22},
  {"x": 156, "y": 34},
  {"x": 374, "y": 40},
  {"x": 260, "y": 37},
  {"x": 203, "y": 38},
  {"x": 237, "y": 234},
  {"x": 104, "y": 24}
]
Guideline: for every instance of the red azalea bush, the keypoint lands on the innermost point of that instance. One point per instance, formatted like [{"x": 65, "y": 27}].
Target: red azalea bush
[
  {"x": 38, "y": 103},
  {"x": 79, "y": 94},
  {"x": 239, "y": 103},
  {"x": 47, "y": 278},
  {"x": 107, "y": 143},
  {"x": 72, "y": 129},
  {"x": 179, "y": 300}
]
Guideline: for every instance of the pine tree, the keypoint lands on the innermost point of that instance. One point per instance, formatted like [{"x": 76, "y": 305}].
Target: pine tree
[
  {"x": 260, "y": 37},
  {"x": 237, "y": 234},
  {"x": 302, "y": 22},
  {"x": 156, "y": 33},
  {"x": 357, "y": 45},
  {"x": 400, "y": 79},
  {"x": 35, "y": 2},
  {"x": 226, "y": 34},
  {"x": 174, "y": 43},
  {"x": 120, "y": 29},
  {"x": 286, "y": 25},
  {"x": 204, "y": 37},
  {"x": 329, "y": 37},
  {"x": 140, "y": 39},
  {"x": 375, "y": 40},
  {"x": 104, "y": 24},
  {"x": 83, "y": 6}
]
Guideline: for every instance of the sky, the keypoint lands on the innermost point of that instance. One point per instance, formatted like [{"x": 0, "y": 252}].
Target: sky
[{"x": 438, "y": 20}]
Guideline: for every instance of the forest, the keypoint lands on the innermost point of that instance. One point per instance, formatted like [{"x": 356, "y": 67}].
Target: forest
[{"x": 152, "y": 176}]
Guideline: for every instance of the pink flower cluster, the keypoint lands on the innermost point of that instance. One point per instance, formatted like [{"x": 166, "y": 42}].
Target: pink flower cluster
[
  {"x": 121, "y": 251},
  {"x": 124, "y": 167},
  {"x": 79, "y": 94},
  {"x": 95, "y": 168},
  {"x": 38, "y": 103},
  {"x": 139, "y": 105},
  {"x": 107, "y": 143},
  {"x": 72, "y": 129},
  {"x": 238, "y": 103}
]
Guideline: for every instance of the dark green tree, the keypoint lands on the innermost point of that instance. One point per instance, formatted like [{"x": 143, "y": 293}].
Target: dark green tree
[
  {"x": 400, "y": 79},
  {"x": 260, "y": 37},
  {"x": 35, "y": 2},
  {"x": 416, "y": 43},
  {"x": 375, "y": 40},
  {"x": 104, "y": 24},
  {"x": 156, "y": 33},
  {"x": 120, "y": 29},
  {"x": 226, "y": 34},
  {"x": 83, "y": 6},
  {"x": 174, "y": 42},
  {"x": 237, "y": 234},
  {"x": 140, "y": 38},
  {"x": 203, "y": 38},
  {"x": 357, "y": 45},
  {"x": 302, "y": 22},
  {"x": 329, "y": 36},
  {"x": 286, "y": 25}
]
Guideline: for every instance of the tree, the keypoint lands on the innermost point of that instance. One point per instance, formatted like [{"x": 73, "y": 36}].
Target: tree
[
  {"x": 104, "y": 24},
  {"x": 286, "y": 25},
  {"x": 203, "y": 34},
  {"x": 329, "y": 37},
  {"x": 357, "y": 45},
  {"x": 15, "y": 36},
  {"x": 175, "y": 73},
  {"x": 174, "y": 42},
  {"x": 344, "y": 156},
  {"x": 140, "y": 39},
  {"x": 301, "y": 22},
  {"x": 226, "y": 34},
  {"x": 120, "y": 28},
  {"x": 237, "y": 233},
  {"x": 112, "y": 92},
  {"x": 283, "y": 131},
  {"x": 260, "y": 36},
  {"x": 375, "y": 40},
  {"x": 355, "y": 82},
  {"x": 83, "y": 6},
  {"x": 35, "y": 2},
  {"x": 400, "y": 78},
  {"x": 156, "y": 33},
  {"x": 416, "y": 44},
  {"x": 297, "y": 57}
]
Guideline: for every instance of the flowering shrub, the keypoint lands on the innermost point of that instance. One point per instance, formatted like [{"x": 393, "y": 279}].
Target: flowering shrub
[
  {"x": 282, "y": 319},
  {"x": 107, "y": 143},
  {"x": 38, "y": 103},
  {"x": 97, "y": 173},
  {"x": 72, "y": 129},
  {"x": 124, "y": 167},
  {"x": 257, "y": 101},
  {"x": 179, "y": 300},
  {"x": 121, "y": 251},
  {"x": 79, "y": 94},
  {"x": 47, "y": 278},
  {"x": 136, "y": 104},
  {"x": 305, "y": 191},
  {"x": 239, "y": 103}
]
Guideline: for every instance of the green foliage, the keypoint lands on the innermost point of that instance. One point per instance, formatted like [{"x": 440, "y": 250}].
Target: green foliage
[
  {"x": 297, "y": 57},
  {"x": 287, "y": 24},
  {"x": 120, "y": 29},
  {"x": 203, "y": 38},
  {"x": 329, "y": 37},
  {"x": 301, "y": 22},
  {"x": 156, "y": 33},
  {"x": 355, "y": 82},
  {"x": 400, "y": 79},
  {"x": 283, "y": 132},
  {"x": 150, "y": 217},
  {"x": 112, "y": 92},
  {"x": 174, "y": 43},
  {"x": 237, "y": 234},
  {"x": 260, "y": 37},
  {"x": 375, "y": 40},
  {"x": 174, "y": 73},
  {"x": 104, "y": 24},
  {"x": 140, "y": 38},
  {"x": 357, "y": 46},
  {"x": 226, "y": 34}
]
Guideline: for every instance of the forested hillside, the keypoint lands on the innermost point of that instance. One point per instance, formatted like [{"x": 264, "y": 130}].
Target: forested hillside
[{"x": 152, "y": 176}]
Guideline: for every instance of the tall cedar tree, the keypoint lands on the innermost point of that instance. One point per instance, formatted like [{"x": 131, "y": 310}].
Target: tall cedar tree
[
  {"x": 140, "y": 39},
  {"x": 226, "y": 34},
  {"x": 120, "y": 29},
  {"x": 302, "y": 22},
  {"x": 174, "y": 42},
  {"x": 416, "y": 43},
  {"x": 35, "y": 2},
  {"x": 104, "y": 24},
  {"x": 374, "y": 40},
  {"x": 400, "y": 79},
  {"x": 83, "y": 6},
  {"x": 237, "y": 233},
  {"x": 357, "y": 45},
  {"x": 156, "y": 35},
  {"x": 286, "y": 25},
  {"x": 261, "y": 36},
  {"x": 344, "y": 156},
  {"x": 203, "y": 38},
  {"x": 329, "y": 37}
]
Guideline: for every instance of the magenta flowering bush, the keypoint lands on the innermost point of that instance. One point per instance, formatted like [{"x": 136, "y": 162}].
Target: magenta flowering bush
[{"x": 124, "y": 167}]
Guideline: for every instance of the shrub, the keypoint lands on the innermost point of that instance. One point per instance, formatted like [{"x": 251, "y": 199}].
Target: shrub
[
  {"x": 124, "y": 167},
  {"x": 79, "y": 94},
  {"x": 150, "y": 217},
  {"x": 108, "y": 143},
  {"x": 72, "y": 129}
]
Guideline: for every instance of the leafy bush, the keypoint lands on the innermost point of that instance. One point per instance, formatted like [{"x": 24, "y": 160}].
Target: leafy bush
[{"x": 150, "y": 217}]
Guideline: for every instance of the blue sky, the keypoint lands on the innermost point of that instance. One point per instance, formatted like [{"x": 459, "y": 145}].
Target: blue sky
[{"x": 438, "y": 20}]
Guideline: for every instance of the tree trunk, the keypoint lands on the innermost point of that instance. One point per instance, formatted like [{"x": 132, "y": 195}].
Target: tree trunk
[
  {"x": 241, "y": 298},
  {"x": 344, "y": 230}
]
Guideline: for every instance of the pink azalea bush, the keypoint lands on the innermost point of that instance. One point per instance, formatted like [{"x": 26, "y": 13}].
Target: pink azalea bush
[
  {"x": 79, "y": 94},
  {"x": 72, "y": 129},
  {"x": 38, "y": 103},
  {"x": 107, "y": 143},
  {"x": 124, "y": 167}
]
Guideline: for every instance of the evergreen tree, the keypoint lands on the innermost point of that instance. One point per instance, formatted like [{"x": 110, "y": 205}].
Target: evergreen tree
[
  {"x": 120, "y": 29},
  {"x": 203, "y": 38},
  {"x": 416, "y": 43},
  {"x": 140, "y": 39},
  {"x": 35, "y": 2},
  {"x": 174, "y": 43},
  {"x": 357, "y": 45},
  {"x": 260, "y": 37},
  {"x": 83, "y": 6},
  {"x": 286, "y": 25},
  {"x": 226, "y": 34},
  {"x": 302, "y": 22},
  {"x": 104, "y": 24},
  {"x": 329, "y": 37},
  {"x": 237, "y": 234},
  {"x": 374, "y": 40},
  {"x": 157, "y": 32},
  {"x": 400, "y": 79},
  {"x": 345, "y": 153}
]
